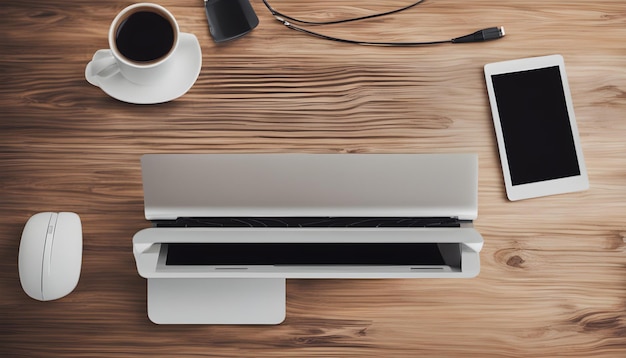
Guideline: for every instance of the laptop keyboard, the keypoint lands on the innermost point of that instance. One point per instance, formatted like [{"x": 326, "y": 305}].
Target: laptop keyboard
[{"x": 310, "y": 222}]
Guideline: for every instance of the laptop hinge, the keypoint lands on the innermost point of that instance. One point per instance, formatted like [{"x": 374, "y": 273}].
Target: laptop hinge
[{"x": 312, "y": 222}]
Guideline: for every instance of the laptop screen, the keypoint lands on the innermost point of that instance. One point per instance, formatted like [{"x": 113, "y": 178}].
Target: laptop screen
[{"x": 201, "y": 254}]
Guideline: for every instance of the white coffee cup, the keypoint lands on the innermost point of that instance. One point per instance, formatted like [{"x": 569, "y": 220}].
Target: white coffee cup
[{"x": 142, "y": 39}]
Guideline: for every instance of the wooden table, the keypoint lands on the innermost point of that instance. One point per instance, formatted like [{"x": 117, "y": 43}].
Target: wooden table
[{"x": 553, "y": 278}]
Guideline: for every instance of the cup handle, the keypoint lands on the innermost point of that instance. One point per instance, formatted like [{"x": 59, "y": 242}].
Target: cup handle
[{"x": 103, "y": 65}]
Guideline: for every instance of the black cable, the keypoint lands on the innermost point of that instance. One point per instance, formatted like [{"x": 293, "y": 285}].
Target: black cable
[
  {"x": 333, "y": 22},
  {"x": 491, "y": 33},
  {"x": 366, "y": 43}
]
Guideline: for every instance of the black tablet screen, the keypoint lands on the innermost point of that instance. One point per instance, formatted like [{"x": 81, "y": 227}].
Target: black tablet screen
[{"x": 535, "y": 125}]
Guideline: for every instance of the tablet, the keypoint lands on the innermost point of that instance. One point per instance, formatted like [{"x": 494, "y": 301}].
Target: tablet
[{"x": 535, "y": 127}]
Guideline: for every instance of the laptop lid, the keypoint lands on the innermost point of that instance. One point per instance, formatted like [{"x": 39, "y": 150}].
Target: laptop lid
[{"x": 310, "y": 185}]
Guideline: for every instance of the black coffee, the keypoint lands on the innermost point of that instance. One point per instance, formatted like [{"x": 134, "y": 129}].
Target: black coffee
[{"x": 144, "y": 36}]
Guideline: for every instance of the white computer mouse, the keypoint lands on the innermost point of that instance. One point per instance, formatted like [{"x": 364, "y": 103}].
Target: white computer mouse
[{"x": 50, "y": 256}]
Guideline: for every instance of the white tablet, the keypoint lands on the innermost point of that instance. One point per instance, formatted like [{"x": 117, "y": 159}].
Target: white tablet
[{"x": 535, "y": 127}]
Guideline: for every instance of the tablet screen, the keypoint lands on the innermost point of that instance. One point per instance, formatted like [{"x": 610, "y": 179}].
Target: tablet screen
[{"x": 535, "y": 125}]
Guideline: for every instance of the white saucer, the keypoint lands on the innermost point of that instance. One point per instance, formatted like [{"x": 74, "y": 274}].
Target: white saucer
[{"x": 183, "y": 74}]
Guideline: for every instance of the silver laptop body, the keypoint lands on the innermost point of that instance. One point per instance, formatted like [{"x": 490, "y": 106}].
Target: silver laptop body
[{"x": 229, "y": 229}]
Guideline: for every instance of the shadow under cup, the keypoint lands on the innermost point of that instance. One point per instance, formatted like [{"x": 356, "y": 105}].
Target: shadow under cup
[{"x": 142, "y": 38}]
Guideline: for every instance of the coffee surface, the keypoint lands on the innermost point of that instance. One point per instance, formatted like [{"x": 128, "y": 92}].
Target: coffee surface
[{"x": 144, "y": 36}]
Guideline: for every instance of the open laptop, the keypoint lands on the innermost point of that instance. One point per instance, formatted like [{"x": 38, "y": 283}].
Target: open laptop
[{"x": 229, "y": 229}]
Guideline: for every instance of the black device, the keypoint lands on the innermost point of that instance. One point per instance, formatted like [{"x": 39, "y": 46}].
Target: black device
[{"x": 230, "y": 19}]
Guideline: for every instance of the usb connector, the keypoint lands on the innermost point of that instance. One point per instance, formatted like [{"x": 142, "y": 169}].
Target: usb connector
[{"x": 491, "y": 33}]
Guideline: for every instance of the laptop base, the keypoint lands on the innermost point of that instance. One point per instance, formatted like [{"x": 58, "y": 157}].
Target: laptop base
[{"x": 217, "y": 300}]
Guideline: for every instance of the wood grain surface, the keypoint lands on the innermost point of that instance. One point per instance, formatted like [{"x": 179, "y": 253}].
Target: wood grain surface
[{"x": 553, "y": 277}]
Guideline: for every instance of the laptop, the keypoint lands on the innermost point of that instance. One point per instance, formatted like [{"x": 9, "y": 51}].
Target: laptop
[{"x": 228, "y": 230}]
